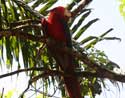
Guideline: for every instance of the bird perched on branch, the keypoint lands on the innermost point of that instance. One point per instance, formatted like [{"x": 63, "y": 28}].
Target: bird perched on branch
[{"x": 56, "y": 29}]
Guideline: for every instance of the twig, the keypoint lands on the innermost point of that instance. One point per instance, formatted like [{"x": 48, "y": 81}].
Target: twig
[
  {"x": 23, "y": 70},
  {"x": 2, "y": 93},
  {"x": 22, "y": 95},
  {"x": 48, "y": 95}
]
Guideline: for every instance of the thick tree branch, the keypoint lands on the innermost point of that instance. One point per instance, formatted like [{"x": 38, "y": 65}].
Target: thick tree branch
[{"x": 103, "y": 73}]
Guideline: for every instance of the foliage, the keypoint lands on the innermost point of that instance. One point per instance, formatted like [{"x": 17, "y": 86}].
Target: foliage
[
  {"x": 21, "y": 36},
  {"x": 9, "y": 94},
  {"x": 122, "y": 7}
]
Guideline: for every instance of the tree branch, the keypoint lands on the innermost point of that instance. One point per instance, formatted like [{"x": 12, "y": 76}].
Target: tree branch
[
  {"x": 101, "y": 73},
  {"x": 44, "y": 93},
  {"x": 23, "y": 70}
]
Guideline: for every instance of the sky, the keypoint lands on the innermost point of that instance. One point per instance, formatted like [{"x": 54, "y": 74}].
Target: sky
[{"x": 108, "y": 13}]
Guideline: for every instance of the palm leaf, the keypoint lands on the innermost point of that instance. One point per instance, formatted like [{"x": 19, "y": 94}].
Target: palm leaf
[
  {"x": 77, "y": 25},
  {"x": 47, "y": 6},
  {"x": 97, "y": 40},
  {"x": 84, "y": 28}
]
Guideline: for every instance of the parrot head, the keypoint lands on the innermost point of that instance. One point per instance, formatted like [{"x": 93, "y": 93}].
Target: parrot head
[{"x": 60, "y": 12}]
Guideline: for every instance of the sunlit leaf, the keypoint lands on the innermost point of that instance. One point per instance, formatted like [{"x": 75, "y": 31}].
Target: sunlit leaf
[
  {"x": 97, "y": 40},
  {"x": 9, "y": 53},
  {"x": 77, "y": 24},
  {"x": 38, "y": 2},
  {"x": 85, "y": 27},
  {"x": 47, "y": 6}
]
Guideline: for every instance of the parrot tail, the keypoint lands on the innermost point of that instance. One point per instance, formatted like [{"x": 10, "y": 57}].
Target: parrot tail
[{"x": 73, "y": 87}]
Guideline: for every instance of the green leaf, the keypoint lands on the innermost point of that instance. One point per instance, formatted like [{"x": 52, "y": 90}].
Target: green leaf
[
  {"x": 73, "y": 4},
  {"x": 97, "y": 40},
  {"x": 85, "y": 40},
  {"x": 15, "y": 48},
  {"x": 14, "y": 10},
  {"x": 83, "y": 17},
  {"x": 5, "y": 11},
  {"x": 38, "y": 2},
  {"x": 0, "y": 17},
  {"x": 47, "y": 6},
  {"x": 122, "y": 7},
  {"x": 24, "y": 48},
  {"x": 9, "y": 94},
  {"x": 111, "y": 65},
  {"x": 85, "y": 27},
  {"x": 9, "y": 53}
]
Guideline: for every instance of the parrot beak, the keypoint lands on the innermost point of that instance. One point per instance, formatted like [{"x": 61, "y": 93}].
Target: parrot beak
[{"x": 67, "y": 13}]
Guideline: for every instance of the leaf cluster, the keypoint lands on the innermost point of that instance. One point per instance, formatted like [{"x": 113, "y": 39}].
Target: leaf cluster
[{"x": 122, "y": 7}]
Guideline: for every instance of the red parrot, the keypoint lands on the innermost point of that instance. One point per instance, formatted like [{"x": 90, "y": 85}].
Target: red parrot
[{"x": 55, "y": 27}]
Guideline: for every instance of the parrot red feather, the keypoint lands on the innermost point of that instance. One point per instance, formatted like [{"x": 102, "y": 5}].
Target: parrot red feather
[{"x": 56, "y": 29}]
